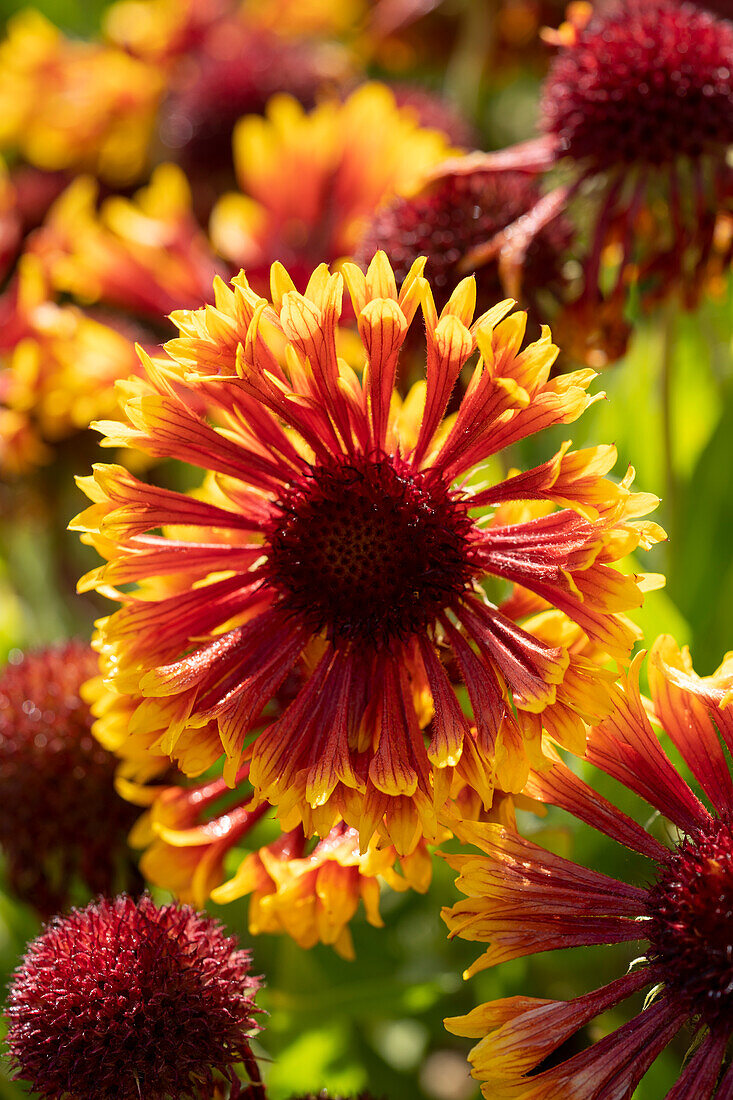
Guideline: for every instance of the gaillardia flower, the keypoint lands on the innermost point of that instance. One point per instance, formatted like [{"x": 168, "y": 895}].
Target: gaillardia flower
[
  {"x": 61, "y": 822},
  {"x": 68, "y": 104},
  {"x": 58, "y": 368},
  {"x": 340, "y": 537},
  {"x": 523, "y": 900},
  {"x": 310, "y": 181},
  {"x": 313, "y": 892},
  {"x": 638, "y": 107},
  {"x": 145, "y": 254},
  {"x": 123, "y": 1000}
]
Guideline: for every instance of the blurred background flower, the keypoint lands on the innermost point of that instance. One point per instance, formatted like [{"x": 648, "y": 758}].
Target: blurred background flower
[{"x": 152, "y": 145}]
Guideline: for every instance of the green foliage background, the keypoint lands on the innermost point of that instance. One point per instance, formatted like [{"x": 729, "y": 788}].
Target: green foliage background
[{"x": 377, "y": 1022}]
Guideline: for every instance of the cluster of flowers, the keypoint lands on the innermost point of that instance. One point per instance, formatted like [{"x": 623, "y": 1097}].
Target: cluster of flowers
[{"x": 362, "y": 633}]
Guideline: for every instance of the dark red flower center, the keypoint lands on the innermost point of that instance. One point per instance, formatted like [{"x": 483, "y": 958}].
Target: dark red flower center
[
  {"x": 648, "y": 82},
  {"x": 691, "y": 909},
  {"x": 370, "y": 550},
  {"x": 456, "y": 215}
]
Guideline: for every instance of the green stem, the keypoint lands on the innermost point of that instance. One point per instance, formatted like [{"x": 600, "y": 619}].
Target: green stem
[
  {"x": 472, "y": 52},
  {"x": 671, "y": 485}
]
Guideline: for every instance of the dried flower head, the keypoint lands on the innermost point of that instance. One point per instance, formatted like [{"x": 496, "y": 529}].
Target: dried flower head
[
  {"x": 123, "y": 1000},
  {"x": 61, "y": 819}
]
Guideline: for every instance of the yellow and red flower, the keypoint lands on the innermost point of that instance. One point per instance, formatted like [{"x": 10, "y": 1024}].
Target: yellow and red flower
[
  {"x": 146, "y": 255},
  {"x": 523, "y": 899},
  {"x": 341, "y": 540},
  {"x": 67, "y": 104},
  {"x": 312, "y": 893},
  {"x": 308, "y": 891},
  {"x": 58, "y": 371},
  {"x": 310, "y": 180}
]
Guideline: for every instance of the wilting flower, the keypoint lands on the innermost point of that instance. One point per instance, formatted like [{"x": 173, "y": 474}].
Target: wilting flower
[
  {"x": 72, "y": 104},
  {"x": 62, "y": 825},
  {"x": 123, "y": 999},
  {"x": 524, "y": 899},
  {"x": 455, "y": 215},
  {"x": 310, "y": 181},
  {"x": 638, "y": 106},
  {"x": 341, "y": 539}
]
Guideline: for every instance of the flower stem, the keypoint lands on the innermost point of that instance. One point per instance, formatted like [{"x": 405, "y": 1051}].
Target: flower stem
[
  {"x": 256, "y": 1089},
  {"x": 671, "y": 487},
  {"x": 474, "y": 48}
]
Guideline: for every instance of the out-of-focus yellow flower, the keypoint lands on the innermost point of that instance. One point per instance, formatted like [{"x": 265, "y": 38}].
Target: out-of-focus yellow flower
[
  {"x": 59, "y": 369},
  {"x": 73, "y": 104},
  {"x": 309, "y": 180},
  {"x": 317, "y": 17},
  {"x": 145, "y": 254},
  {"x": 157, "y": 29},
  {"x": 20, "y": 447},
  {"x": 160, "y": 29}
]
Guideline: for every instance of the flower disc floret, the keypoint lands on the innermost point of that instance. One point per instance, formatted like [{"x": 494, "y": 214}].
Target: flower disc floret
[
  {"x": 645, "y": 82},
  {"x": 454, "y": 216},
  {"x": 338, "y": 539},
  {"x": 691, "y": 933},
  {"x": 370, "y": 549},
  {"x": 123, "y": 999}
]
